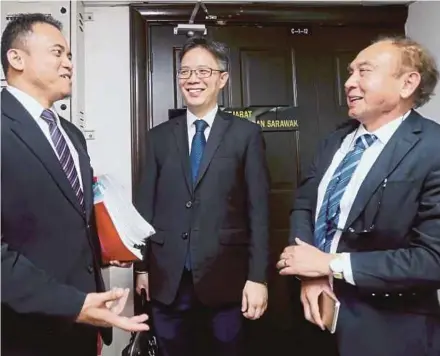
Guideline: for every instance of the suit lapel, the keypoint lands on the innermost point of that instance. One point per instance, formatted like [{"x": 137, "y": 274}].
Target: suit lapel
[
  {"x": 403, "y": 140},
  {"x": 25, "y": 127},
  {"x": 181, "y": 134},
  {"x": 84, "y": 165},
  {"x": 219, "y": 127}
]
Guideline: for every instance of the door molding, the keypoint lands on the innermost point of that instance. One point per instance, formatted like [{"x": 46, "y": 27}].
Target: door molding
[{"x": 142, "y": 16}]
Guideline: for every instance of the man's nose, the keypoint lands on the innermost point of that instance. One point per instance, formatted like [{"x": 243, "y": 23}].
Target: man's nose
[
  {"x": 350, "y": 82},
  {"x": 193, "y": 78},
  {"x": 68, "y": 63}
]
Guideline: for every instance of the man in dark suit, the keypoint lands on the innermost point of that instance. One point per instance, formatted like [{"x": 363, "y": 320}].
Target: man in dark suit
[
  {"x": 50, "y": 253},
  {"x": 366, "y": 220},
  {"x": 205, "y": 189}
]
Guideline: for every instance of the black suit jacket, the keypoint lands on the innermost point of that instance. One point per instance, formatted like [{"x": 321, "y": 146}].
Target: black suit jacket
[
  {"x": 46, "y": 232},
  {"x": 222, "y": 218},
  {"x": 395, "y": 264}
]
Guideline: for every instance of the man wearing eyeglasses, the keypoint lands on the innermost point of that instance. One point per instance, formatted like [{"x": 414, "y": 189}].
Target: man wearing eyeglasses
[
  {"x": 205, "y": 190},
  {"x": 365, "y": 227}
]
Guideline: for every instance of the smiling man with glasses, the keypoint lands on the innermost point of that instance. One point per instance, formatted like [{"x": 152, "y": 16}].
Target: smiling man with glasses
[{"x": 205, "y": 189}]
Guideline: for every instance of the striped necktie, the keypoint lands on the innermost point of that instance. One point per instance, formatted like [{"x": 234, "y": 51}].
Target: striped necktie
[
  {"x": 327, "y": 221},
  {"x": 64, "y": 155}
]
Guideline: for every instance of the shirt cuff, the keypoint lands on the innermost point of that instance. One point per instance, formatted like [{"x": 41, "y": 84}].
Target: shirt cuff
[{"x": 346, "y": 265}]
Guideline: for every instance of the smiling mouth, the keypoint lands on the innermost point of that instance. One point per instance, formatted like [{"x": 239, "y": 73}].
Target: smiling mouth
[
  {"x": 195, "y": 90},
  {"x": 352, "y": 99}
]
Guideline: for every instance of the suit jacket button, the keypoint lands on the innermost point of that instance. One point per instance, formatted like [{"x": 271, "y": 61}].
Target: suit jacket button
[
  {"x": 185, "y": 235},
  {"x": 90, "y": 269},
  {"x": 189, "y": 204}
]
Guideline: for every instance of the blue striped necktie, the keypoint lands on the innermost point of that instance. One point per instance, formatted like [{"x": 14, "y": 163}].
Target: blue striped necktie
[
  {"x": 64, "y": 155},
  {"x": 327, "y": 221},
  {"x": 197, "y": 147}
]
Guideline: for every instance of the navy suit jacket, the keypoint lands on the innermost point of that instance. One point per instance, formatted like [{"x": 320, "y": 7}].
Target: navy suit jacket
[{"x": 46, "y": 234}]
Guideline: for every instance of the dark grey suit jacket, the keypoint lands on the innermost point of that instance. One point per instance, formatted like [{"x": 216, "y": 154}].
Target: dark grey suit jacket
[{"x": 222, "y": 218}]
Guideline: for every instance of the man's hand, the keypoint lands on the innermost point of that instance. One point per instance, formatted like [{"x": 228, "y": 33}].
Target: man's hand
[
  {"x": 142, "y": 282},
  {"x": 103, "y": 309},
  {"x": 304, "y": 260},
  {"x": 310, "y": 292},
  {"x": 254, "y": 302},
  {"x": 121, "y": 264}
]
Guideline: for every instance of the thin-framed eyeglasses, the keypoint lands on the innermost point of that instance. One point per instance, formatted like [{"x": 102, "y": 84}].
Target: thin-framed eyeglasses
[
  {"x": 185, "y": 73},
  {"x": 332, "y": 224}
]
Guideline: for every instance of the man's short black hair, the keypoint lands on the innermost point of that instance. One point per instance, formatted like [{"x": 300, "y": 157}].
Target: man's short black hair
[
  {"x": 217, "y": 49},
  {"x": 18, "y": 28}
]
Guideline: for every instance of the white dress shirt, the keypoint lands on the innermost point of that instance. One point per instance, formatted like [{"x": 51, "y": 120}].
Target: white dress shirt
[
  {"x": 368, "y": 158},
  {"x": 35, "y": 109},
  {"x": 191, "y": 119}
]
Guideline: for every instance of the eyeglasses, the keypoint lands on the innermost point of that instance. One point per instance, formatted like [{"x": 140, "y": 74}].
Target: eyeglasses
[
  {"x": 185, "y": 73},
  {"x": 332, "y": 223}
]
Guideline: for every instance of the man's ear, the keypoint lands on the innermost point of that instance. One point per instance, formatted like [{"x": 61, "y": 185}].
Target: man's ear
[
  {"x": 15, "y": 59},
  {"x": 411, "y": 81},
  {"x": 224, "y": 79}
]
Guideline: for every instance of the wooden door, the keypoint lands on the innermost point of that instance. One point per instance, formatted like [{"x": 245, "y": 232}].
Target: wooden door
[{"x": 277, "y": 73}]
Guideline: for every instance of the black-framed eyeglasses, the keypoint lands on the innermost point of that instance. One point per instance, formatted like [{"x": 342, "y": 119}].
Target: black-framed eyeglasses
[
  {"x": 332, "y": 223},
  {"x": 185, "y": 73}
]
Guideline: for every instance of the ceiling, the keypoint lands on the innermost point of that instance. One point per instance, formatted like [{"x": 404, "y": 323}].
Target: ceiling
[{"x": 303, "y": 2}]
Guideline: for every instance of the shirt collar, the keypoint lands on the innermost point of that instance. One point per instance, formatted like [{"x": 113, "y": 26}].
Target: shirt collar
[
  {"x": 209, "y": 117},
  {"x": 384, "y": 132},
  {"x": 34, "y": 108}
]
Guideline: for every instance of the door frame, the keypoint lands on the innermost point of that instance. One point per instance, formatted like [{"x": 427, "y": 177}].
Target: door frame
[{"x": 144, "y": 15}]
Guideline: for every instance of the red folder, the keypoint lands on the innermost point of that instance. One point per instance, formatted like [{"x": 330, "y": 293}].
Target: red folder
[{"x": 112, "y": 248}]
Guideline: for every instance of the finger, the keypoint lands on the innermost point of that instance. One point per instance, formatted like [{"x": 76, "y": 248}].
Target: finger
[
  {"x": 110, "y": 295},
  {"x": 244, "y": 303},
  {"x": 307, "y": 312},
  {"x": 314, "y": 310},
  {"x": 148, "y": 293},
  {"x": 132, "y": 324},
  {"x": 280, "y": 264},
  {"x": 250, "y": 314},
  {"x": 306, "y": 307},
  {"x": 141, "y": 318},
  {"x": 286, "y": 255},
  {"x": 128, "y": 324},
  {"x": 288, "y": 271},
  {"x": 125, "y": 264},
  {"x": 258, "y": 312},
  {"x": 120, "y": 305}
]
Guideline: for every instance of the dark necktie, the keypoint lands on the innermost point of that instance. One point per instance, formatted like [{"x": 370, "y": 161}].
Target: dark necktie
[
  {"x": 197, "y": 148},
  {"x": 64, "y": 155},
  {"x": 327, "y": 221}
]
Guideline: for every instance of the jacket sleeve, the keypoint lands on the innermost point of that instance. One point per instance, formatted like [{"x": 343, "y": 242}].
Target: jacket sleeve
[
  {"x": 302, "y": 214},
  {"x": 144, "y": 196},
  {"x": 257, "y": 183},
  {"x": 27, "y": 289}
]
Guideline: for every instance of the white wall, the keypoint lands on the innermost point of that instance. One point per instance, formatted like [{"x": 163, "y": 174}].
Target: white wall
[
  {"x": 107, "y": 112},
  {"x": 423, "y": 25}
]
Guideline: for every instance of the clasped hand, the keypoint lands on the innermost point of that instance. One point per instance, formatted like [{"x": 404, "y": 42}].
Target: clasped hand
[{"x": 304, "y": 260}]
